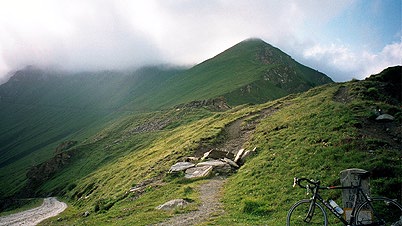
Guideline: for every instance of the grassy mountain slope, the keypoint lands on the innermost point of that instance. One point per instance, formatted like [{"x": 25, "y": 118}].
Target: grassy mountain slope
[
  {"x": 40, "y": 108},
  {"x": 314, "y": 134},
  {"x": 250, "y": 72}
]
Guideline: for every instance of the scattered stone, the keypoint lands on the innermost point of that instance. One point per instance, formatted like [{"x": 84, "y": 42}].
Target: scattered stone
[
  {"x": 181, "y": 166},
  {"x": 86, "y": 214},
  {"x": 219, "y": 162},
  {"x": 238, "y": 155},
  {"x": 198, "y": 172},
  {"x": 217, "y": 154},
  {"x": 385, "y": 117},
  {"x": 217, "y": 166},
  {"x": 246, "y": 155},
  {"x": 230, "y": 162},
  {"x": 191, "y": 159},
  {"x": 136, "y": 189},
  {"x": 172, "y": 204}
]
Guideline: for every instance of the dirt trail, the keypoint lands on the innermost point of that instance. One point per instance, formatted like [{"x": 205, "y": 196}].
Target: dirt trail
[
  {"x": 238, "y": 132},
  {"x": 210, "y": 205},
  {"x": 50, "y": 208}
]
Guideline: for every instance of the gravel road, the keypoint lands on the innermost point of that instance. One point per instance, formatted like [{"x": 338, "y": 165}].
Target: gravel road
[{"x": 50, "y": 208}]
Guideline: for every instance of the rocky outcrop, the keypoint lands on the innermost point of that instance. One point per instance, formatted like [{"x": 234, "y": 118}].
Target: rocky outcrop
[
  {"x": 181, "y": 166},
  {"x": 40, "y": 173},
  {"x": 214, "y": 162},
  {"x": 217, "y": 104},
  {"x": 217, "y": 154},
  {"x": 64, "y": 146},
  {"x": 198, "y": 172}
]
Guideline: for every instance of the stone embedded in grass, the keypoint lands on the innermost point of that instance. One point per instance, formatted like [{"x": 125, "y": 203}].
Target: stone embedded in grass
[
  {"x": 198, "y": 172},
  {"x": 385, "y": 117},
  {"x": 217, "y": 154},
  {"x": 181, "y": 166},
  {"x": 217, "y": 166},
  {"x": 172, "y": 204},
  {"x": 231, "y": 162},
  {"x": 238, "y": 155}
]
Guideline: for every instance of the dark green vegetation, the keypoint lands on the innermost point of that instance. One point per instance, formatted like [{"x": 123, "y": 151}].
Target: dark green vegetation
[
  {"x": 314, "y": 134},
  {"x": 40, "y": 108}
]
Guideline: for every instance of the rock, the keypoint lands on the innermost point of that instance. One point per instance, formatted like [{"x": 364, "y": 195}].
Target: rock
[
  {"x": 385, "y": 117},
  {"x": 136, "y": 189},
  {"x": 198, "y": 172},
  {"x": 172, "y": 204},
  {"x": 181, "y": 166},
  {"x": 238, "y": 155},
  {"x": 217, "y": 104},
  {"x": 230, "y": 162},
  {"x": 191, "y": 159},
  {"x": 218, "y": 154},
  {"x": 86, "y": 214},
  {"x": 246, "y": 155},
  {"x": 217, "y": 165}
]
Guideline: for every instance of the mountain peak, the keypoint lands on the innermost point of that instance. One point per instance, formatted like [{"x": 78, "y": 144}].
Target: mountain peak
[{"x": 253, "y": 40}]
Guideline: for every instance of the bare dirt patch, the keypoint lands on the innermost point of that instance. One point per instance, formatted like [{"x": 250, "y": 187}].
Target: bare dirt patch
[{"x": 210, "y": 205}]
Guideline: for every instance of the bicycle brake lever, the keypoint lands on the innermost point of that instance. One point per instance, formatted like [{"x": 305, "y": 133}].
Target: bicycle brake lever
[
  {"x": 308, "y": 189},
  {"x": 294, "y": 182}
]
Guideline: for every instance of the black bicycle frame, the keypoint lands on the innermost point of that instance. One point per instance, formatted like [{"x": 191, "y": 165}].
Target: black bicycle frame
[{"x": 316, "y": 196}]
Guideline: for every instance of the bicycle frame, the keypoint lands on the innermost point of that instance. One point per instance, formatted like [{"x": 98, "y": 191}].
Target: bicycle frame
[{"x": 316, "y": 196}]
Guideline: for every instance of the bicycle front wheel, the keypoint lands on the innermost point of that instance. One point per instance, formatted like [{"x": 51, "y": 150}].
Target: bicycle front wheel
[
  {"x": 305, "y": 213},
  {"x": 379, "y": 211}
]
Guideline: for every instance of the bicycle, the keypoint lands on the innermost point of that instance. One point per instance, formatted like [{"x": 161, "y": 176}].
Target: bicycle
[{"x": 372, "y": 211}]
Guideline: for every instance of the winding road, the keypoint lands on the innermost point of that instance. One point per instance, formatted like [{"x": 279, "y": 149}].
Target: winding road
[{"x": 50, "y": 208}]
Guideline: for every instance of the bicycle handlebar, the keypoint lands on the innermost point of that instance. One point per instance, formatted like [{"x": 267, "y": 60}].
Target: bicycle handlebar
[{"x": 298, "y": 181}]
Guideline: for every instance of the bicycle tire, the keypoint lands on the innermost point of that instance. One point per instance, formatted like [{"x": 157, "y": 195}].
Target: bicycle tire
[
  {"x": 298, "y": 212},
  {"x": 379, "y": 211}
]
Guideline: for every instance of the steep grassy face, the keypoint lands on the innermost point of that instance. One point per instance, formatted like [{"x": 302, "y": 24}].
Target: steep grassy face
[
  {"x": 133, "y": 151},
  {"x": 250, "y": 72},
  {"x": 39, "y": 109},
  {"x": 315, "y": 134}
]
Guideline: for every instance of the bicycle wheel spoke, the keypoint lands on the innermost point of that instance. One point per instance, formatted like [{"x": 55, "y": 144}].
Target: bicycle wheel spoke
[
  {"x": 380, "y": 211},
  {"x": 298, "y": 214}
]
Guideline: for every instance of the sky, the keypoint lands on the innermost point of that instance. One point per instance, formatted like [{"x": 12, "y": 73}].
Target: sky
[{"x": 345, "y": 39}]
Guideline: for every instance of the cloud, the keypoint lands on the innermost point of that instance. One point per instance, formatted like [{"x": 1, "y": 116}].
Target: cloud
[
  {"x": 73, "y": 35},
  {"x": 118, "y": 34},
  {"x": 341, "y": 59}
]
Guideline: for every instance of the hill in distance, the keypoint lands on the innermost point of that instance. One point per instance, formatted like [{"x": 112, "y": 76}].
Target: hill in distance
[
  {"x": 314, "y": 134},
  {"x": 40, "y": 108},
  {"x": 91, "y": 150}
]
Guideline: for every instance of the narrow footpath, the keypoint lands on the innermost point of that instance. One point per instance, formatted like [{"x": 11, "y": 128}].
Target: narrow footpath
[
  {"x": 51, "y": 207},
  {"x": 210, "y": 205},
  {"x": 238, "y": 132}
]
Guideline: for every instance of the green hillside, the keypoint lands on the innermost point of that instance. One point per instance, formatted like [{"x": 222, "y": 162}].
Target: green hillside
[
  {"x": 39, "y": 109},
  {"x": 314, "y": 134},
  {"x": 250, "y": 72}
]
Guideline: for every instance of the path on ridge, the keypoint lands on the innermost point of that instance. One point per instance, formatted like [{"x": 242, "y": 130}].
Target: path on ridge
[
  {"x": 238, "y": 133},
  {"x": 51, "y": 207}
]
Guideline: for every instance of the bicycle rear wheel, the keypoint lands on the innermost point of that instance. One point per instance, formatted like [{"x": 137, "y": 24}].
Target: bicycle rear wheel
[
  {"x": 299, "y": 212},
  {"x": 379, "y": 211}
]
